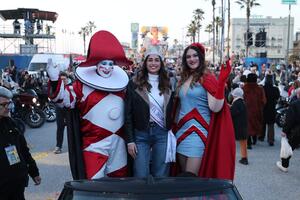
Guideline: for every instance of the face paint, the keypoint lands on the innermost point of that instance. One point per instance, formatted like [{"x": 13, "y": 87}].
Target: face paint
[{"x": 105, "y": 68}]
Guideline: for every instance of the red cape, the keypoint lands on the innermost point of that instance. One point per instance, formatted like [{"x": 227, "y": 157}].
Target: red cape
[{"x": 218, "y": 160}]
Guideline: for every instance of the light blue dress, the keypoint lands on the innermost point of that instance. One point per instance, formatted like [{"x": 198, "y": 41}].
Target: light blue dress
[{"x": 195, "y": 97}]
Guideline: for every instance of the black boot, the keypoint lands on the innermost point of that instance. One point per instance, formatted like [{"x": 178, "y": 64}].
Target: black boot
[
  {"x": 244, "y": 161},
  {"x": 254, "y": 140},
  {"x": 249, "y": 143}
]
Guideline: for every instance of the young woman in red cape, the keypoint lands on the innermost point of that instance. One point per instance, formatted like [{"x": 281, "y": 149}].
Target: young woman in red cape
[{"x": 204, "y": 130}]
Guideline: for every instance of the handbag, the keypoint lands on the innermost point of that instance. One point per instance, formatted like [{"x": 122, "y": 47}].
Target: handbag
[{"x": 286, "y": 149}]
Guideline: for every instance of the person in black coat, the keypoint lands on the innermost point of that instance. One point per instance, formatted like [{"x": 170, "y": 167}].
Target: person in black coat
[
  {"x": 239, "y": 118},
  {"x": 16, "y": 161},
  {"x": 272, "y": 96},
  {"x": 291, "y": 130}
]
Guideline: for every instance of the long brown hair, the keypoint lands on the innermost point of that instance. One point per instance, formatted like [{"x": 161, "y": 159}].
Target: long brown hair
[
  {"x": 142, "y": 78},
  {"x": 186, "y": 71}
]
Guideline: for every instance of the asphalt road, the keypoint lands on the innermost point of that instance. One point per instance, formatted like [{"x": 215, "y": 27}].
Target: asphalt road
[{"x": 260, "y": 180}]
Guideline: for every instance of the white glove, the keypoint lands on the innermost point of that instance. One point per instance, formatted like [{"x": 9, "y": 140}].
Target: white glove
[{"x": 53, "y": 72}]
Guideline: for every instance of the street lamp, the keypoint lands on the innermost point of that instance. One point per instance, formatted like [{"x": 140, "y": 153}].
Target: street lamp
[{"x": 289, "y": 2}]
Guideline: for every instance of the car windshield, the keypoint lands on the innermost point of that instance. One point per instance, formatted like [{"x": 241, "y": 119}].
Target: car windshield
[
  {"x": 225, "y": 194},
  {"x": 37, "y": 66}
]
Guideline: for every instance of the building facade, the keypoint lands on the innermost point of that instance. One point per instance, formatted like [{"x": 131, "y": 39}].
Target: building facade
[{"x": 276, "y": 41}]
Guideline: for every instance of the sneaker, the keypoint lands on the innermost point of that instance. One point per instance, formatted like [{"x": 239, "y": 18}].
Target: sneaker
[
  {"x": 57, "y": 150},
  {"x": 244, "y": 161},
  {"x": 279, "y": 165}
]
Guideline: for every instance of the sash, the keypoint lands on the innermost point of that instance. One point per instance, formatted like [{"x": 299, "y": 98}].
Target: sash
[{"x": 156, "y": 112}]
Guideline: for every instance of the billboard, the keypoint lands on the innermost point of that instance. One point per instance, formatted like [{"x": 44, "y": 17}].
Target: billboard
[{"x": 154, "y": 37}]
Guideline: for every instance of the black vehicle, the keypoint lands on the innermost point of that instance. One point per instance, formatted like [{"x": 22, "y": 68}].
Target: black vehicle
[
  {"x": 281, "y": 109},
  {"x": 150, "y": 188},
  {"x": 26, "y": 107}
]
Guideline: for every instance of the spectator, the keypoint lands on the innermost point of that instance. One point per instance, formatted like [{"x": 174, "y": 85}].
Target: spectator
[
  {"x": 239, "y": 118},
  {"x": 61, "y": 117},
  {"x": 272, "y": 95},
  {"x": 255, "y": 100},
  {"x": 291, "y": 130},
  {"x": 15, "y": 158}
]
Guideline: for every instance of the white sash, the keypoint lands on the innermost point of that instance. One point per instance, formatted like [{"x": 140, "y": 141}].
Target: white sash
[{"x": 156, "y": 112}]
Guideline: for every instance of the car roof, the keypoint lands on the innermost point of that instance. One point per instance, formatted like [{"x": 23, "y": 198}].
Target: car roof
[{"x": 150, "y": 185}]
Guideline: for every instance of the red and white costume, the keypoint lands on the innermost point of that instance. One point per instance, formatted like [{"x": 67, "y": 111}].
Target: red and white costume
[{"x": 100, "y": 101}]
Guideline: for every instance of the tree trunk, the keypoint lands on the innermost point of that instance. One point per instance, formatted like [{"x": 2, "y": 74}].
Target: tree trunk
[
  {"x": 222, "y": 33},
  {"x": 248, "y": 28}
]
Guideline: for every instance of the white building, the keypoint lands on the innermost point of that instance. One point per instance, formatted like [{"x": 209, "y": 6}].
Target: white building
[{"x": 276, "y": 36}]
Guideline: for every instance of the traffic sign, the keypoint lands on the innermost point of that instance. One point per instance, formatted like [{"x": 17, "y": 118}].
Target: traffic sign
[{"x": 289, "y": 2}]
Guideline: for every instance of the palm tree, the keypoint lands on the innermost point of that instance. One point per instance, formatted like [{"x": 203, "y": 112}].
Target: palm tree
[
  {"x": 86, "y": 31},
  {"x": 209, "y": 29},
  {"x": 248, "y": 4},
  {"x": 198, "y": 17},
  {"x": 191, "y": 30}
]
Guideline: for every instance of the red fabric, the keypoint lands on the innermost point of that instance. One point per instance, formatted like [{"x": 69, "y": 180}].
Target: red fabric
[
  {"x": 290, "y": 90},
  {"x": 225, "y": 71},
  {"x": 119, "y": 173},
  {"x": 218, "y": 160},
  {"x": 190, "y": 131},
  {"x": 105, "y": 46},
  {"x": 193, "y": 114},
  {"x": 200, "y": 47},
  {"x": 53, "y": 94},
  {"x": 93, "y": 163}
]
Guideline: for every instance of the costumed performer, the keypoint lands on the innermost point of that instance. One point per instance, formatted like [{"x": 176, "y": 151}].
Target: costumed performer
[
  {"x": 204, "y": 129},
  {"x": 95, "y": 133}
]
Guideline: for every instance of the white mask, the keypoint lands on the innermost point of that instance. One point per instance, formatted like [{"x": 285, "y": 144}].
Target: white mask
[{"x": 105, "y": 68}]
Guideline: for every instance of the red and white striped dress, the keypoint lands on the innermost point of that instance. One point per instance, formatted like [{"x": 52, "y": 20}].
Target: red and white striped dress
[{"x": 102, "y": 119}]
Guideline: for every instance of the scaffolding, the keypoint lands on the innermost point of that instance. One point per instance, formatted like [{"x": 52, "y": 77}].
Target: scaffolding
[{"x": 27, "y": 31}]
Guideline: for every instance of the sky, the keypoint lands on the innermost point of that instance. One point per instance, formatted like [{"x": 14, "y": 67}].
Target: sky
[{"x": 117, "y": 15}]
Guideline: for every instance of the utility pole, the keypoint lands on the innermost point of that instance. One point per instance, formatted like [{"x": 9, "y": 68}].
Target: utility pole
[{"x": 290, "y": 2}]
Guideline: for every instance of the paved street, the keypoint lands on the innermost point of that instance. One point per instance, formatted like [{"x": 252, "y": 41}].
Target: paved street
[{"x": 260, "y": 180}]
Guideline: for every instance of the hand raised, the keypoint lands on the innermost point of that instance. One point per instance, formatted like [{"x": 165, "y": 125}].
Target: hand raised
[
  {"x": 52, "y": 71},
  {"x": 225, "y": 72}
]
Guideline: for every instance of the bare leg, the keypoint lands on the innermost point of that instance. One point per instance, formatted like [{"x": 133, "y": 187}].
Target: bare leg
[
  {"x": 182, "y": 161},
  {"x": 193, "y": 165},
  {"x": 243, "y": 148}
]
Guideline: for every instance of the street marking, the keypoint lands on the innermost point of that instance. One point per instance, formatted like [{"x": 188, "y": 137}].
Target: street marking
[{"x": 40, "y": 155}]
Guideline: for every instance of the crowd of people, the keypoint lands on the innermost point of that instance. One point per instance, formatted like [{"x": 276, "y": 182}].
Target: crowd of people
[{"x": 194, "y": 111}]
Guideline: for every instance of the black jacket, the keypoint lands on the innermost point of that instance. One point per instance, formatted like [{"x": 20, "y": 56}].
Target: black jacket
[
  {"x": 292, "y": 117},
  {"x": 272, "y": 95},
  {"x": 9, "y": 135},
  {"x": 137, "y": 111},
  {"x": 239, "y": 117}
]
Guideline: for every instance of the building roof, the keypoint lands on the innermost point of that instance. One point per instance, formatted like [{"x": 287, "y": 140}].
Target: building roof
[{"x": 20, "y": 13}]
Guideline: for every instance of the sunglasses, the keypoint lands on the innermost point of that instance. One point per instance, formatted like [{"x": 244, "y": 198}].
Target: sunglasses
[{"x": 6, "y": 104}]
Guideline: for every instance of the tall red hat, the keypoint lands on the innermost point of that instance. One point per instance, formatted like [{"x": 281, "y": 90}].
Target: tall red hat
[{"x": 105, "y": 46}]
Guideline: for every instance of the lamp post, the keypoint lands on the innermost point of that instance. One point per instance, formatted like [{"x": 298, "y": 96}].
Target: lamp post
[{"x": 289, "y": 2}]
